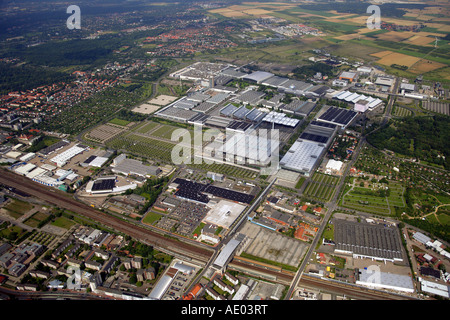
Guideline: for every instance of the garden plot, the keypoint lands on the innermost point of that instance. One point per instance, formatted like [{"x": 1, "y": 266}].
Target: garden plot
[
  {"x": 321, "y": 187},
  {"x": 105, "y": 132},
  {"x": 373, "y": 200}
]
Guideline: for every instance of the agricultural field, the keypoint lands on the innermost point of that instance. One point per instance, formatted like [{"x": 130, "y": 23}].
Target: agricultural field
[
  {"x": 321, "y": 187},
  {"x": 374, "y": 198},
  {"x": 346, "y": 34}
]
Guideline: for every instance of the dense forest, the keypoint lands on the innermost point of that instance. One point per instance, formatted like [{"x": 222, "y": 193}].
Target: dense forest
[
  {"x": 310, "y": 70},
  {"x": 424, "y": 138},
  {"x": 22, "y": 78}
]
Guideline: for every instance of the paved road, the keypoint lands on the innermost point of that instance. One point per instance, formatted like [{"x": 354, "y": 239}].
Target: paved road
[
  {"x": 333, "y": 203},
  {"x": 231, "y": 233},
  {"x": 387, "y": 112},
  {"x": 331, "y": 206}
]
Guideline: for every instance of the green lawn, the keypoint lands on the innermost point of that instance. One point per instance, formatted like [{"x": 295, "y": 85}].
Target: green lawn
[
  {"x": 6, "y": 233},
  {"x": 17, "y": 208},
  {"x": 365, "y": 199},
  {"x": 63, "y": 222},
  {"x": 321, "y": 187},
  {"x": 151, "y": 218},
  {"x": 119, "y": 122},
  {"x": 35, "y": 219}
]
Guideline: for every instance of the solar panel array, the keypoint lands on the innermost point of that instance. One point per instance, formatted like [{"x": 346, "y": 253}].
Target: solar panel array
[
  {"x": 196, "y": 191},
  {"x": 199, "y": 118},
  {"x": 241, "y": 113},
  {"x": 104, "y": 184},
  {"x": 239, "y": 125},
  {"x": 255, "y": 115},
  {"x": 313, "y": 137},
  {"x": 53, "y": 147},
  {"x": 89, "y": 160},
  {"x": 323, "y": 124},
  {"x": 338, "y": 115}
]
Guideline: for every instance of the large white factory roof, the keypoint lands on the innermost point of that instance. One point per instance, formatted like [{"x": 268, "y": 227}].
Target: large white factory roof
[
  {"x": 302, "y": 156},
  {"x": 385, "y": 280},
  {"x": 25, "y": 169},
  {"x": 62, "y": 158},
  {"x": 224, "y": 213}
]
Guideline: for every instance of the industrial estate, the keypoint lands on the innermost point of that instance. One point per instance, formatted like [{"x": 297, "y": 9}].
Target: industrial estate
[{"x": 311, "y": 178}]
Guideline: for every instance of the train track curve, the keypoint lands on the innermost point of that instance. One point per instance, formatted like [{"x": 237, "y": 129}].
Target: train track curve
[{"x": 66, "y": 201}]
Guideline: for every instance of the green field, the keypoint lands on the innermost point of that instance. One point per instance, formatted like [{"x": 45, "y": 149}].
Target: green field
[
  {"x": 35, "y": 219},
  {"x": 369, "y": 200},
  {"x": 151, "y": 218},
  {"x": 146, "y": 127},
  {"x": 63, "y": 222},
  {"x": 17, "y": 208},
  {"x": 119, "y": 122},
  {"x": 12, "y": 233},
  {"x": 321, "y": 187},
  {"x": 142, "y": 146}
]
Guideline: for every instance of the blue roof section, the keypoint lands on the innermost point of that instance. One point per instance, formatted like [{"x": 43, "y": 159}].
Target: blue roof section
[
  {"x": 241, "y": 113},
  {"x": 228, "y": 110},
  {"x": 255, "y": 115}
]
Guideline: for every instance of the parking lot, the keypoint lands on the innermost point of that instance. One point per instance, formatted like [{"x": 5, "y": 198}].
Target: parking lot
[{"x": 184, "y": 218}]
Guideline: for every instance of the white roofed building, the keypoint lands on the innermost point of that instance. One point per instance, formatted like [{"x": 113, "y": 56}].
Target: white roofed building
[{"x": 61, "y": 159}]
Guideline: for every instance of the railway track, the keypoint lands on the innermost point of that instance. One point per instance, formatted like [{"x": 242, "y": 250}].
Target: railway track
[
  {"x": 65, "y": 201},
  {"x": 349, "y": 290}
]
